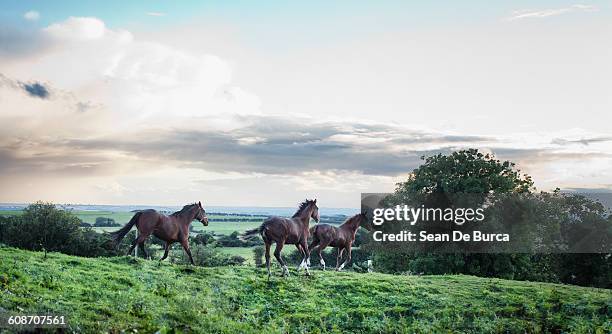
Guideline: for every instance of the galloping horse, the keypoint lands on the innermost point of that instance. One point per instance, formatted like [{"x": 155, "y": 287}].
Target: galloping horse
[
  {"x": 170, "y": 229},
  {"x": 283, "y": 231},
  {"x": 342, "y": 237}
]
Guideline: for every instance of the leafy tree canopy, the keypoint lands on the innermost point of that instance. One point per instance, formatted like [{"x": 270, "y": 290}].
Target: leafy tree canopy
[{"x": 465, "y": 171}]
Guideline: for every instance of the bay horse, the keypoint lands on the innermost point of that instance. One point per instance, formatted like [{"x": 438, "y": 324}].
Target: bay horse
[
  {"x": 170, "y": 229},
  {"x": 341, "y": 237},
  {"x": 293, "y": 231}
]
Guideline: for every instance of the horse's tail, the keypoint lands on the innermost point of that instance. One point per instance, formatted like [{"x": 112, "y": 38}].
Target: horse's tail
[
  {"x": 250, "y": 234},
  {"x": 117, "y": 236}
]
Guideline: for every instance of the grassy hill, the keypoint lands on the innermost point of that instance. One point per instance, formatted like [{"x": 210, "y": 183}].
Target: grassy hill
[{"x": 127, "y": 294}]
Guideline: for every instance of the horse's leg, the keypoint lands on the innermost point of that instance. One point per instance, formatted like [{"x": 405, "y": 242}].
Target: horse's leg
[
  {"x": 306, "y": 259},
  {"x": 166, "y": 249},
  {"x": 134, "y": 243},
  {"x": 268, "y": 258},
  {"x": 313, "y": 244},
  {"x": 144, "y": 251},
  {"x": 339, "y": 257},
  {"x": 301, "y": 250},
  {"x": 139, "y": 239},
  {"x": 185, "y": 244},
  {"x": 319, "y": 251},
  {"x": 277, "y": 255},
  {"x": 348, "y": 258}
]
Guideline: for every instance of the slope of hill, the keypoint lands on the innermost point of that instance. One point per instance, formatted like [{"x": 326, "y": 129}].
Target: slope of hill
[{"x": 126, "y": 294}]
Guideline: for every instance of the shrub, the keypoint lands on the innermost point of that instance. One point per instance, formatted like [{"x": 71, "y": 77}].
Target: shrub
[
  {"x": 207, "y": 256},
  {"x": 258, "y": 253},
  {"x": 105, "y": 222},
  {"x": 204, "y": 238},
  {"x": 45, "y": 227},
  {"x": 233, "y": 240}
]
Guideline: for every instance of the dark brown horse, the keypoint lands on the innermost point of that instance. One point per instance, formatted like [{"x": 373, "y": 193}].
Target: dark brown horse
[
  {"x": 170, "y": 229},
  {"x": 342, "y": 237},
  {"x": 292, "y": 231}
]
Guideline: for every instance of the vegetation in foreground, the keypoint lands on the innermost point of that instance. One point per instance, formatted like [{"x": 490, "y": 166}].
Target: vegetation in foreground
[{"x": 126, "y": 294}]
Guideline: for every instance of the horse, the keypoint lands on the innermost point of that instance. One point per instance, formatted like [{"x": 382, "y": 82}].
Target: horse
[
  {"x": 170, "y": 229},
  {"x": 283, "y": 231},
  {"x": 342, "y": 237}
]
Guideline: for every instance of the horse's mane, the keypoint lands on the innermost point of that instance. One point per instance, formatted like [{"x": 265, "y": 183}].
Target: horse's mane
[
  {"x": 185, "y": 209},
  {"x": 302, "y": 207},
  {"x": 353, "y": 218}
]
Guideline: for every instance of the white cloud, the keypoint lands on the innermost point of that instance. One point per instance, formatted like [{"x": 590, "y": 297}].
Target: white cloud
[
  {"x": 134, "y": 79},
  {"x": 31, "y": 15},
  {"x": 77, "y": 28},
  {"x": 543, "y": 13},
  {"x": 156, "y": 14}
]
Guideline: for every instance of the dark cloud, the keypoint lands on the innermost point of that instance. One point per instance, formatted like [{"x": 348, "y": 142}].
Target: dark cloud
[
  {"x": 283, "y": 146},
  {"x": 36, "y": 89},
  {"x": 33, "y": 89},
  {"x": 53, "y": 163},
  {"x": 274, "y": 145}
]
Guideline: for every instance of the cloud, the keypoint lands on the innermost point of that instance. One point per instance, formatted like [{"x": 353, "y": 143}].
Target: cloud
[
  {"x": 130, "y": 112},
  {"x": 33, "y": 89},
  {"x": 31, "y": 15},
  {"x": 77, "y": 28},
  {"x": 134, "y": 79},
  {"x": 582, "y": 141},
  {"x": 36, "y": 89},
  {"x": 543, "y": 13},
  {"x": 156, "y": 14}
]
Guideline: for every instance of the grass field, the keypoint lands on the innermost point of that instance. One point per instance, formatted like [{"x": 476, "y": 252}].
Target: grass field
[{"x": 126, "y": 294}]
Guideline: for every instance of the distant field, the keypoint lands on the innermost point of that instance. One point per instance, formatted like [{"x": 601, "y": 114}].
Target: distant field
[{"x": 219, "y": 228}]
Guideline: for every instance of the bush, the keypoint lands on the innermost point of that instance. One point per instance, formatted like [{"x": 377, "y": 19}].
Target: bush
[
  {"x": 258, "y": 253},
  {"x": 233, "y": 240},
  {"x": 204, "y": 238},
  {"x": 45, "y": 227},
  {"x": 206, "y": 256},
  {"x": 105, "y": 222}
]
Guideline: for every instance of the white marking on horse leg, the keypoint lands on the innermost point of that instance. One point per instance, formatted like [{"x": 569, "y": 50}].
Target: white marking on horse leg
[
  {"x": 285, "y": 270},
  {"x": 323, "y": 264},
  {"x": 307, "y": 272},
  {"x": 341, "y": 266}
]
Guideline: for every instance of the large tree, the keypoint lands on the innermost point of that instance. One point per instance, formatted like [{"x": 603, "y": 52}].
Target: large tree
[{"x": 466, "y": 172}]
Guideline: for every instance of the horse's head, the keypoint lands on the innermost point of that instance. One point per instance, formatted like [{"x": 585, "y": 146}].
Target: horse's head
[
  {"x": 201, "y": 214},
  {"x": 365, "y": 223},
  {"x": 315, "y": 212}
]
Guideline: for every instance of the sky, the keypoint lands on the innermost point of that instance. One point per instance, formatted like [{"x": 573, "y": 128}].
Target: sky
[{"x": 260, "y": 103}]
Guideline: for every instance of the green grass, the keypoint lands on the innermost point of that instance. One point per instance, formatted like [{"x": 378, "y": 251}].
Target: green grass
[
  {"x": 126, "y": 294},
  {"x": 247, "y": 252}
]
